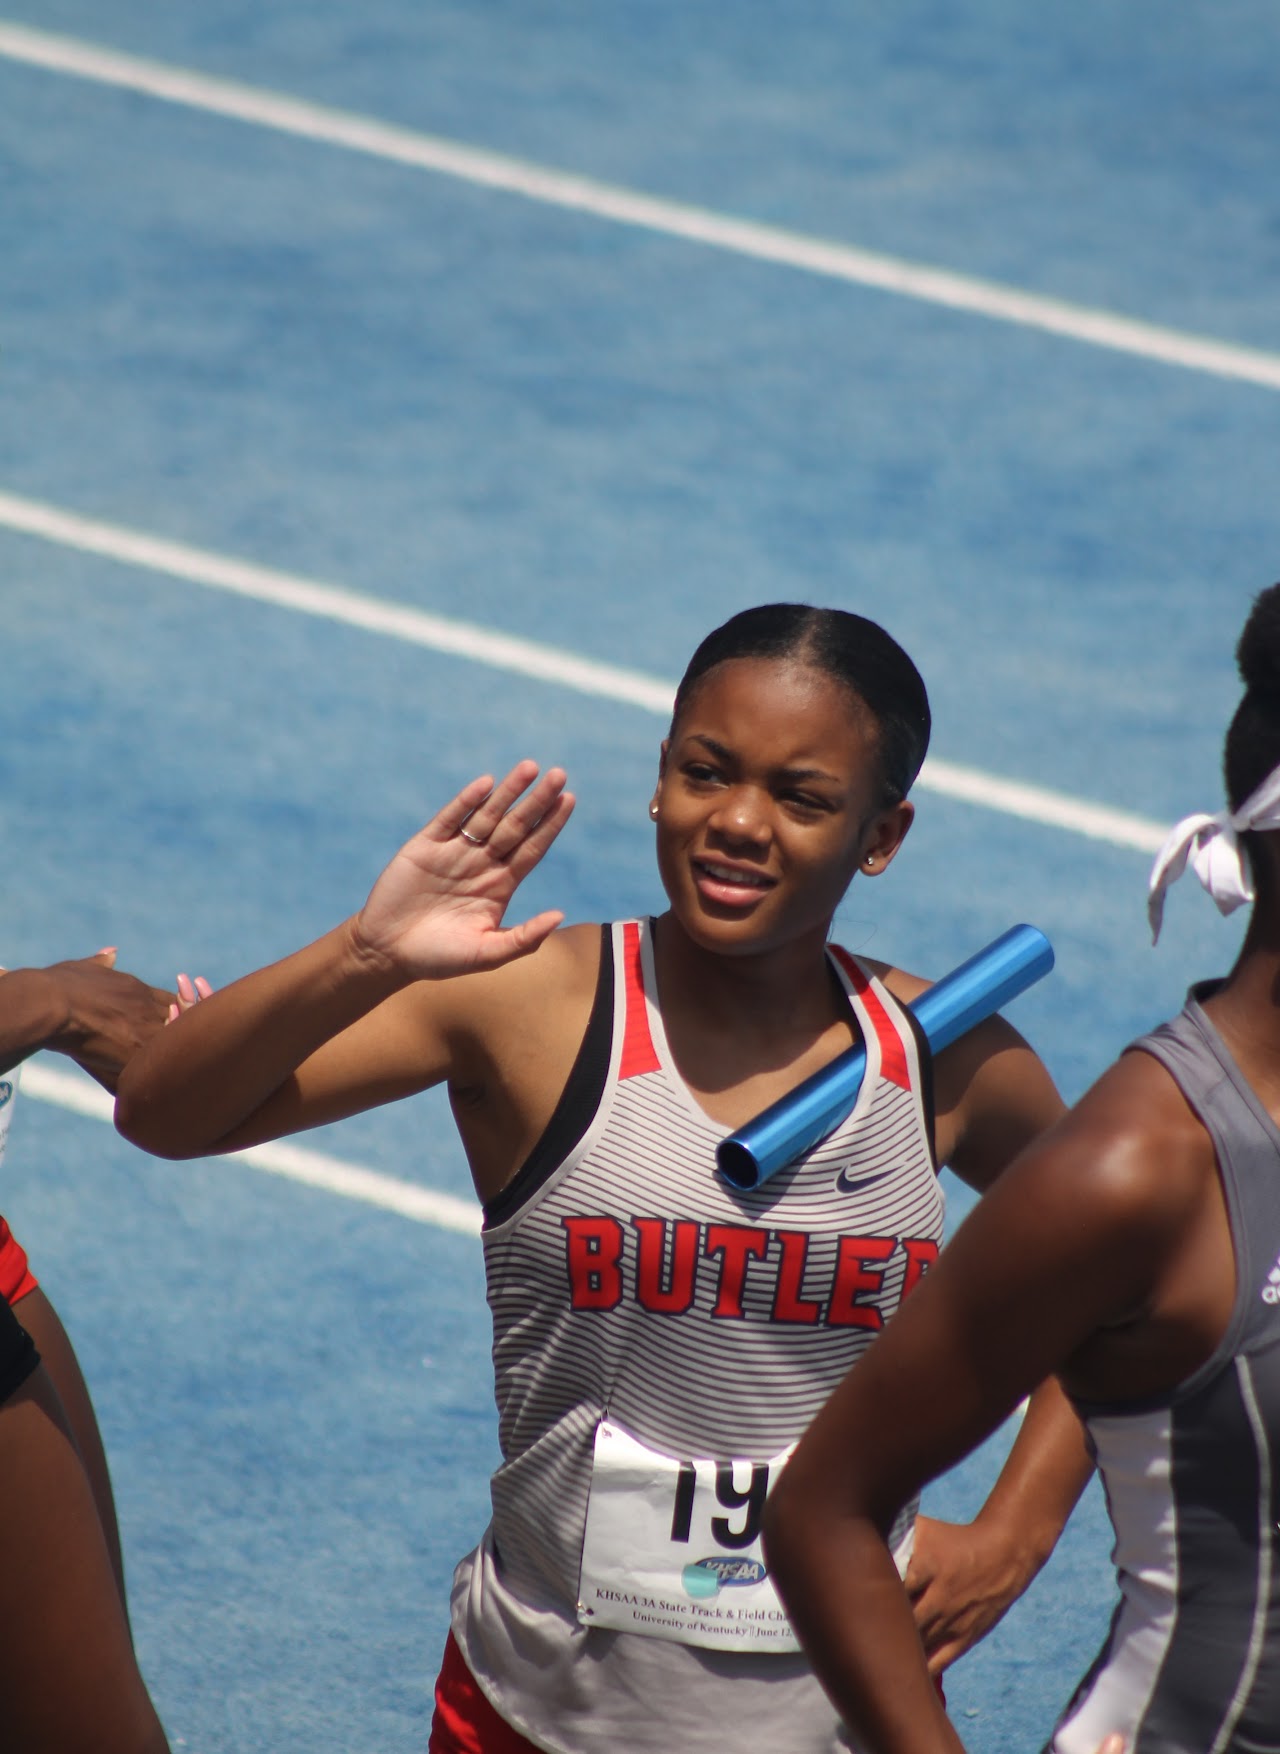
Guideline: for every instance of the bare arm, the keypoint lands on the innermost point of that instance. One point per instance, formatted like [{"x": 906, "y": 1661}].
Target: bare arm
[
  {"x": 346, "y": 1022},
  {"x": 964, "y": 1577},
  {"x": 85, "y": 1009},
  {"x": 1072, "y": 1237},
  {"x": 994, "y": 1097}
]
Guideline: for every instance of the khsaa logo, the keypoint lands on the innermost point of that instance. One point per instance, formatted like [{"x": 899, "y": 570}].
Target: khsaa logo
[
  {"x": 1271, "y": 1290},
  {"x": 705, "y": 1578},
  {"x": 6, "y": 1091}
]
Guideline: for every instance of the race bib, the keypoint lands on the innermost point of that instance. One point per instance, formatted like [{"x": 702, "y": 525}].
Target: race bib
[{"x": 672, "y": 1548}]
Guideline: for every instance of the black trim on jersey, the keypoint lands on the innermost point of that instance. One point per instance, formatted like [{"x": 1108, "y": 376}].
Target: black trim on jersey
[
  {"x": 925, "y": 1055},
  {"x": 18, "y": 1355},
  {"x": 578, "y": 1104}
]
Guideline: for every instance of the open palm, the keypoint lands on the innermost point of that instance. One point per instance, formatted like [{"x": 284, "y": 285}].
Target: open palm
[{"x": 437, "y": 909}]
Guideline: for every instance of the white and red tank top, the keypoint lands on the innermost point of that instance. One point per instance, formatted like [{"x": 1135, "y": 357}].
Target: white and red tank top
[{"x": 630, "y": 1285}]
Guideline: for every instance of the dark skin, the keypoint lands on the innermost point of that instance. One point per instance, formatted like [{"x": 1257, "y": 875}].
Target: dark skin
[
  {"x": 1117, "y": 1273},
  {"x": 70, "y": 1682},
  {"x": 67, "y": 1670},
  {"x": 97, "y": 1015},
  {"x": 769, "y": 800},
  {"x": 86, "y": 1009}
]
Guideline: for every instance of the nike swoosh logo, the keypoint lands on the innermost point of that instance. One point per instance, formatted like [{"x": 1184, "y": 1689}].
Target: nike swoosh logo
[{"x": 848, "y": 1184}]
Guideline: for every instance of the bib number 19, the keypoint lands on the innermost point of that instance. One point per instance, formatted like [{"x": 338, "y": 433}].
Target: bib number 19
[
  {"x": 672, "y": 1547},
  {"x": 730, "y": 1497}
]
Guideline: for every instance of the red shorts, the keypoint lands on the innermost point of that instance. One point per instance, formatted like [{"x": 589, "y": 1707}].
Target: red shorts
[
  {"x": 464, "y": 1722},
  {"x": 16, "y": 1278}
]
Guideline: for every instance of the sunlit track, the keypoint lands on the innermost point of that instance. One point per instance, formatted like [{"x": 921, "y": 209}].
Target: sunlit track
[
  {"x": 766, "y": 243},
  {"x": 563, "y": 669},
  {"x": 67, "y": 1090}
]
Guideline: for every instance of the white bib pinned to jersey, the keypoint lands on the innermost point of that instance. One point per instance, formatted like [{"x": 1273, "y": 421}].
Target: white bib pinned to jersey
[{"x": 672, "y": 1548}]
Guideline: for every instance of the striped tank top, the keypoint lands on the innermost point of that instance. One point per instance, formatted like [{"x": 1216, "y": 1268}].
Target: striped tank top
[
  {"x": 642, "y": 1307},
  {"x": 1192, "y": 1477}
]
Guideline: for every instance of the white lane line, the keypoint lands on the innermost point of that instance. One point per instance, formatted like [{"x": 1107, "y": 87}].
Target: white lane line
[
  {"x": 523, "y": 657},
  {"x": 70, "y": 1091},
  {"x": 765, "y": 243},
  {"x": 459, "y": 639},
  {"x": 969, "y": 785}
]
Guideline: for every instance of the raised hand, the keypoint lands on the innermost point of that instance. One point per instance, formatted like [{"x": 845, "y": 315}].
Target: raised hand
[{"x": 437, "y": 909}]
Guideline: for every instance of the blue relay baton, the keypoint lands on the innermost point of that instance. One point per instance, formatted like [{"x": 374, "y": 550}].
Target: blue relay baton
[{"x": 949, "y": 1009}]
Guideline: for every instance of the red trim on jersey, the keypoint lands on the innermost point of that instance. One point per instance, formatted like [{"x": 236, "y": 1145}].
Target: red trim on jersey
[
  {"x": 16, "y": 1277},
  {"x": 638, "y": 1053},
  {"x": 893, "y": 1056},
  {"x": 464, "y": 1722}
]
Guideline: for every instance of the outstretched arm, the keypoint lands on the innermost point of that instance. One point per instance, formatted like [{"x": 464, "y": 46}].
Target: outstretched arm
[
  {"x": 334, "y": 1027},
  {"x": 85, "y": 1009}
]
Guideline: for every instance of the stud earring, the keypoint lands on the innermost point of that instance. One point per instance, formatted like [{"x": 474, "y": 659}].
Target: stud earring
[
  {"x": 653, "y": 810},
  {"x": 870, "y": 861}
]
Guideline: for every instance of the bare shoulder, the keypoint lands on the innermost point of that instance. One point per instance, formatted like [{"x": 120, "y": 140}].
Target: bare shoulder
[
  {"x": 1123, "y": 1172},
  {"x": 957, "y": 1065},
  {"x": 1138, "y": 1136},
  {"x": 900, "y": 983},
  {"x": 559, "y": 975},
  {"x": 992, "y": 1093}
]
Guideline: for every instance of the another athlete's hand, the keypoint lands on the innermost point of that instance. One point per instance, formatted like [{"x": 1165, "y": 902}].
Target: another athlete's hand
[
  {"x": 962, "y": 1579},
  {"x": 85, "y": 1008},
  {"x": 190, "y": 992},
  {"x": 437, "y": 908}
]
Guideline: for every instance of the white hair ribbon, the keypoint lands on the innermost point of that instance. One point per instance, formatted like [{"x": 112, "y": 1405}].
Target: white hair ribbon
[{"x": 1212, "y": 844}]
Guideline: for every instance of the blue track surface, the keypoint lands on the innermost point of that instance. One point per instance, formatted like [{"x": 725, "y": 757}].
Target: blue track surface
[{"x": 606, "y": 440}]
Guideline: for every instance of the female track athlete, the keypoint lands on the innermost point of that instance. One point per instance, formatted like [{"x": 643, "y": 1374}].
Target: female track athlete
[
  {"x": 1140, "y": 1251},
  {"x": 660, "y": 1340}
]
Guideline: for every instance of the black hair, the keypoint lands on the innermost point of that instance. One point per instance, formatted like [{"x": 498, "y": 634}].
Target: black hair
[
  {"x": 850, "y": 649},
  {"x": 1252, "y": 748}
]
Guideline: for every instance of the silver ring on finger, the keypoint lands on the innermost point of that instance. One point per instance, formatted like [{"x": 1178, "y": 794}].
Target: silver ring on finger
[{"x": 473, "y": 838}]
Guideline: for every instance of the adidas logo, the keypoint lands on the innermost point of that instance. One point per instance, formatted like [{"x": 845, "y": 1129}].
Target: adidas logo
[{"x": 1271, "y": 1290}]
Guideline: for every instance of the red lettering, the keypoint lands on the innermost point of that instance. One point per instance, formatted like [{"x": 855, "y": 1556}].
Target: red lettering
[
  {"x": 677, "y": 1295},
  {"x": 667, "y": 1265},
  {"x": 788, "y": 1305},
  {"x": 921, "y": 1254},
  {"x": 736, "y": 1244},
  {"x": 593, "y": 1248},
  {"x": 853, "y": 1276}
]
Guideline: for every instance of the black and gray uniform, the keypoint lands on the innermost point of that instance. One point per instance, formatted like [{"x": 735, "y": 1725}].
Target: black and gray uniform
[
  {"x": 660, "y": 1342},
  {"x": 1192, "y": 1663}
]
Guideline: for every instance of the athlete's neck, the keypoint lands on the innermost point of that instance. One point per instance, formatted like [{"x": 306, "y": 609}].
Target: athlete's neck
[{"x": 774, "y": 994}]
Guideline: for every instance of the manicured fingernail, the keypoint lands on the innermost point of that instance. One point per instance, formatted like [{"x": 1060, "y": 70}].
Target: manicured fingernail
[
  {"x": 174, "y": 1013},
  {"x": 185, "y": 988},
  {"x": 203, "y": 987}
]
